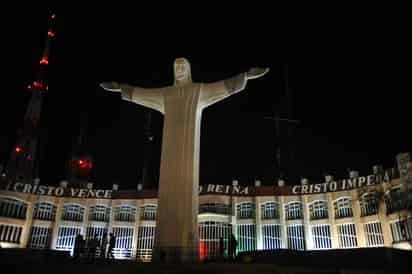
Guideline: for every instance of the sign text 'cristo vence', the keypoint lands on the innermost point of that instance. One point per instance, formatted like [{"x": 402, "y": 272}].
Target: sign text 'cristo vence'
[{"x": 60, "y": 191}]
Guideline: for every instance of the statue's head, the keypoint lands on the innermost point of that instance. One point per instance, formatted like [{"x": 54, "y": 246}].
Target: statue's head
[{"x": 182, "y": 71}]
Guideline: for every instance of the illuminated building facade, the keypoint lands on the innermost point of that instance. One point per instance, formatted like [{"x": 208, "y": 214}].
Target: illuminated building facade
[{"x": 361, "y": 211}]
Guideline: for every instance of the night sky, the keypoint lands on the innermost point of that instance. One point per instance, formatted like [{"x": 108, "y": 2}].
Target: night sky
[{"x": 349, "y": 86}]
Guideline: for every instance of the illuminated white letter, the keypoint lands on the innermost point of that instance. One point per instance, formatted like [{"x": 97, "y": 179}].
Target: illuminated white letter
[{"x": 295, "y": 190}]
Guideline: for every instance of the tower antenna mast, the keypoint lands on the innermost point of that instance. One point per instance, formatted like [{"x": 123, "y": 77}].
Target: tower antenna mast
[
  {"x": 288, "y": 119},
  {"x": 24, "y": 158}
]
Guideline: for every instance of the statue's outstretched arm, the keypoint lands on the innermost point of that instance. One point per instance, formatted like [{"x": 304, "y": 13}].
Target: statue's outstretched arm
[
  {"x": 148, "y": 97},
  {"x": 215, "y": 92}
]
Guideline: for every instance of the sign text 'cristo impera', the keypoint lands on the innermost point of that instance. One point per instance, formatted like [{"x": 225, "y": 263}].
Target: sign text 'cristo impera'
[
  {"x": 341, "y": 185},
  {"x": 60, "y": 191}
]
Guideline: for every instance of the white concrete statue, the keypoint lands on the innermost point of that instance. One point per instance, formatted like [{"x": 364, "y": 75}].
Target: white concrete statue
[{"x": 182, "y": 104}]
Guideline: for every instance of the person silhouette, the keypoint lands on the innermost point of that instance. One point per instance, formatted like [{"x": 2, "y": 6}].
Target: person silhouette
[
  {"x": 103, "y": 246},
  {"x": 221, "y": 248},
  {"x": 112, "y": 243},
  {"x": 92, "y": 245},
  {"x": 78, "y": 246},
  {"x": 232, "y": 247}
]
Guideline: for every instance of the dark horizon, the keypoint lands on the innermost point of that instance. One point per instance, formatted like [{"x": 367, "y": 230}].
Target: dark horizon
[{"x": 350, "y": 94}]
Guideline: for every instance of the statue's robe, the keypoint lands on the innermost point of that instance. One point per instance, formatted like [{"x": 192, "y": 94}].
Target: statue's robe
[{"x": 182, "y": 105}]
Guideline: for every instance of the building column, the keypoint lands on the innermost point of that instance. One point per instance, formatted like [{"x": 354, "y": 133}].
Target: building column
[
  {"x": 136, "y": 229},
  {"x": 282, "y": 220},
  {"x": 111, "y": 219},
  {"x": 85, "y": 221},
  {"x": 332, "y": 222},
  {"x": 258, "y": 221},
  {"x": 360, "y": 232},
  {"x": 306, "y": 223},
  {"x": 233, "y": 218},
  {"x": 385, "y": 224},
  {"x": 25, "y": 233},
  {"x": 59, "y": 202}
]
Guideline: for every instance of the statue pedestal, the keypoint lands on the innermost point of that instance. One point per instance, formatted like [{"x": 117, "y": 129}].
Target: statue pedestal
[{"x": 175, "y": 255}]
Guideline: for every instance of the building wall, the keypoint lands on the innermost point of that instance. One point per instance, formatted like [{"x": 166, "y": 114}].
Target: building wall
[{"x": 257, "y": 221}]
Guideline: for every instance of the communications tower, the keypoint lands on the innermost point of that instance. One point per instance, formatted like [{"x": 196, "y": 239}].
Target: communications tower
[{"x": 23, "y": 164}]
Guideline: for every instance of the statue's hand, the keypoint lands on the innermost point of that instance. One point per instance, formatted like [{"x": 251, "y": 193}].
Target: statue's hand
[
  {"x": 254, "y": 73},
  {"x": 111, "y": 86}
]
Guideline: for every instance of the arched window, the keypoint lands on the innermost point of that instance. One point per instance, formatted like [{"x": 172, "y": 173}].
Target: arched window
[
  {"x": 149, "y": 212},
  {"x": 124, "y": 213},
  {"x": 40, "y": 237},
  {"x": 44, "y": 211},
  {"x": 246, "y": 237},
  {"x": 271, "y": 234},
  {"x": 100, "y": 213},
  {"x": 296, "y": 237},
  {"x": 72, "y": 212},
  {"x": 12, "y": 208},
  {"x": 10, "y": 233},
  {"x": 369, "y": 204},
  {"x": 402, "y": 230},
  {"x": 347, "y": 236},
  {"x": 123, "y": 247},
  {"x": 66, "y": 236},
  {"x": 343, "y": 207},
  {"x": 374, "y": 234},
  {"x": 245, "y": 210},
  {"x": 217, "y": 208},
  {"x": 145, "y": 242},
  {"x": 293, "y": 210},
  {"x": 270, "y": 210},
  {"x": 395, "y": 200},
  {"x": 321, "y": 236},
  {"x": 318, "y": 210},
  {"x": 98, "y": 232},
  {"x": 210, "y": 233}
]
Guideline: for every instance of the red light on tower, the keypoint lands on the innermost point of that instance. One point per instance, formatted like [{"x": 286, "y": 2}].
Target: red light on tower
[
  {"x": 50, "y": 33},
  {"x": 44, "y": 60},
  {"x": 84, "y": 164},
  {"x": 18, "y": 149}
]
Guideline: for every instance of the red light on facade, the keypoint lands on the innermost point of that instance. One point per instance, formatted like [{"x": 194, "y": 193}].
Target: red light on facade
[
  {"x": 29, "y": 157},
  {"x": 50, "y": 33},
  {"x": 53, "y": 16},
  {"x": 18, "y": 149},
  {"x": 80, "y": 162},
  {"x": 44, "y": 60},
  {"x": 202, "y": 250}
]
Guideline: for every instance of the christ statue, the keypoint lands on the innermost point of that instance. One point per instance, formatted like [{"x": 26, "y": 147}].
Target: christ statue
[{"x": 182, "y": 103}]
